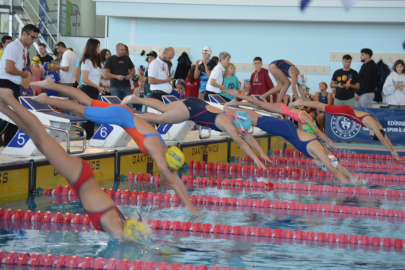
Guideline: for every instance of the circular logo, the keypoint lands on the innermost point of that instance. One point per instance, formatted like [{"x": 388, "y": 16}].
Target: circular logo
[
  {"x": 339, "y": 79},
  {"x": 343, "y": 127},
  {"x": 344, "y": 78}
]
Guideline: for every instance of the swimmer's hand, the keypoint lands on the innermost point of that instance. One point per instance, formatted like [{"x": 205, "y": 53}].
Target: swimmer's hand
[
  {"x": 47, "y": 84},
  {"x": 266, "y": 158},
  {"x": 396, "y": 156}
]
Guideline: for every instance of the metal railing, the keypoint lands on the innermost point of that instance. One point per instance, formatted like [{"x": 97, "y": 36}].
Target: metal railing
[{"x": 48, "y": 33}]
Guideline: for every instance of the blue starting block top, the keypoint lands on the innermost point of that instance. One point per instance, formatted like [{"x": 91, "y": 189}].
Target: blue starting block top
[
  {"x": 32, "y": 105},
  {"x": 169, "y": 99},
  {"x": 257, "y": 97},
  {"x": 217, "y": 99}
]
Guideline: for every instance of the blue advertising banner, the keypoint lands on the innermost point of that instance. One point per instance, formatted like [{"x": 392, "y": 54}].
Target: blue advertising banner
[{"x": 339, "y": 128}]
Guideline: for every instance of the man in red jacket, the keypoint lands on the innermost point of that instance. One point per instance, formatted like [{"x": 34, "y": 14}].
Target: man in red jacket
[{"x": 260, "y": 80}]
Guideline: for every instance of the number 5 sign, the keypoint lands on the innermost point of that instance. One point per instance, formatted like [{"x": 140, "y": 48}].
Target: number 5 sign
[{"x": 19, "y": 140}]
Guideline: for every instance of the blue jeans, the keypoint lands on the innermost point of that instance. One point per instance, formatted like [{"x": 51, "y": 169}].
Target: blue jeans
[{"x": 121, "y": 92}]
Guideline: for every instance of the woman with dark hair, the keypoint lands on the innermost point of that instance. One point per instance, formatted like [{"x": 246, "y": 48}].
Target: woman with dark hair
[
  {"x": 105, "y": 81},
  {"x": 394, "y": 86},
  {"x": 192, "y": 84},
  {"x": 91, "y": 76}
]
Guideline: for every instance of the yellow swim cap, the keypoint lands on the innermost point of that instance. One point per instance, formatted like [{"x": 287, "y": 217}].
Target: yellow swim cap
[
  {"x": 137, "y": 231},
  {"x": 174, "y": 157}
]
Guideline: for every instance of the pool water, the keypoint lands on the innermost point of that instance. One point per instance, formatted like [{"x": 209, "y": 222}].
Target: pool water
[{"x": 235, "y": 251}]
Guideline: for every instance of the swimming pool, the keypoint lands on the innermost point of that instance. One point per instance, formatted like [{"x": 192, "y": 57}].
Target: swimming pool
[{"x": 305, "y": 220}]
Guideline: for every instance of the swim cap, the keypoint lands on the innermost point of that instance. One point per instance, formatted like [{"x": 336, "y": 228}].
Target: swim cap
[
  {"x": 332, "y": 160},
  {"x": 247, "y": 80},
  {"x": 135, "y": 78},
  {"x": 308, "y": 129},
  {"x": 302, "y": 79},
  {"x": 207, "y": 49},
  {"x": 136, "y": 231},
  {"x": 174, "y": 158},
  {"x": 47, "y": 66},
  {"x": 181, "y": 81},
  {"x": 35, "y": 60},
  {"x": 242, "y": 120},
  {"x": 141, "y": 67}
]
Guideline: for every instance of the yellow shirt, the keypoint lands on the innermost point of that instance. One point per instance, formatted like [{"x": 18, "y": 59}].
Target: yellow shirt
[{"x": 1, "y": 54}]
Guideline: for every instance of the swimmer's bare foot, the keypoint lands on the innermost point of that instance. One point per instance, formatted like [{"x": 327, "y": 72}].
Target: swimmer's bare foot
[
  {"x": 296, "y": 103},
  {"x": 131, "y": 99},
  {"x": 41, "y": 98},
  {"x": 47, "y": 84}
]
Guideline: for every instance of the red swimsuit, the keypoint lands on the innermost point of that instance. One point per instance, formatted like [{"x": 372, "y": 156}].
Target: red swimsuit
[
  {"x": 346, "y": 111},
  {"x": 87, "y": 173}
]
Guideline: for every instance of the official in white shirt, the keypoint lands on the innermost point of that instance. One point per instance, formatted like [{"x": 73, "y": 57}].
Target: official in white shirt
[
  {"x": 216, "y": 80},
  {"x": 159, "y": 75},
  {"x": 12, "y": 68},
  {"x": 67, "y": 66}
]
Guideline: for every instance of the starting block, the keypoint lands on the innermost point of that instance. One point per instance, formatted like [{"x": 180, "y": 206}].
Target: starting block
[{"x": 57, "y": 124}]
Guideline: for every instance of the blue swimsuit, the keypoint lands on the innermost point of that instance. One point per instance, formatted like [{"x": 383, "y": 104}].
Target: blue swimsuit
[
  {"x": 284, "y": 66},
  {"x": 200, "y": 115},
  {"x": 286, "y": 129}
]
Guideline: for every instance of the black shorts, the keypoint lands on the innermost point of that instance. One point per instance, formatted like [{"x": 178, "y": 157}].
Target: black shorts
[{"x": 4, "y": 83}]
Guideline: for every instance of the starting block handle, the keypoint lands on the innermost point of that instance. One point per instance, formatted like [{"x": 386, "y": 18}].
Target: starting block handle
[
  {"x": 203, "y": 137},
  {"x": 69, "y": 139}
]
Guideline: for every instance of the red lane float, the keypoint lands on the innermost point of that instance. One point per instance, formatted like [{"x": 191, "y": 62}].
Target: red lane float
[
  {"x": 217, "y": 231},
  {"x": 64, "y": 261}
]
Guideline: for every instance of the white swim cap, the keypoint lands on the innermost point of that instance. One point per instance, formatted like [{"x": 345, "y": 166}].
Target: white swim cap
[
  {"x": 302, "y": 79},
  {"x": 332, "y": 160}
]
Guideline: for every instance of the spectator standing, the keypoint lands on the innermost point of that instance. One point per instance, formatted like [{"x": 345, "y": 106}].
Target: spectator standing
[
  {"x": 44, "y": 57},
  {"x": 394, "y": 86},
  {"x": 159, "y": 74},
  {"x": 67, "y": 66},
  {"x": 260, "y": 79},
  {"x": 368, "y": 80},
  {"x": 91, "y": 76},
  {"x": 152, "y": 55},
  {"x": 12, "y": 68},
  {"x": 192, "y": 83},
  {"x": 105, "y": 81},
  {"x": 119, "y": 68},
  {"x": 230, "y": 81},
  {"x": 216, "y": 80},
  {"x": 347, "y": 82},
  {"x": 204, "y": 69},
  {"x": 5, "y": 41}
]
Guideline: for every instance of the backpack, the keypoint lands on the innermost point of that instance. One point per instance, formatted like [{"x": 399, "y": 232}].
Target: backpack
[{"x": 383, "y": 72}]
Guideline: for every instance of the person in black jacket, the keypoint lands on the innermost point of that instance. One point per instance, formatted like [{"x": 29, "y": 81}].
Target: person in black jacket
[{"x": 368, "y": 80}]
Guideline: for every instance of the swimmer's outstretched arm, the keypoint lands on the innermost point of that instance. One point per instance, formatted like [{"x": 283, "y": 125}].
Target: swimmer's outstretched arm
[
  {"x": 375, "y": 126},
  {"x": 231, "y": 130},
  {"x": 157, "y": 153},
  {"x": 255, "y": 145},
  {"x": 324, "y": 159},
  {"x": 312, "y": 104},
  {"x": 72, "y": 92}
]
